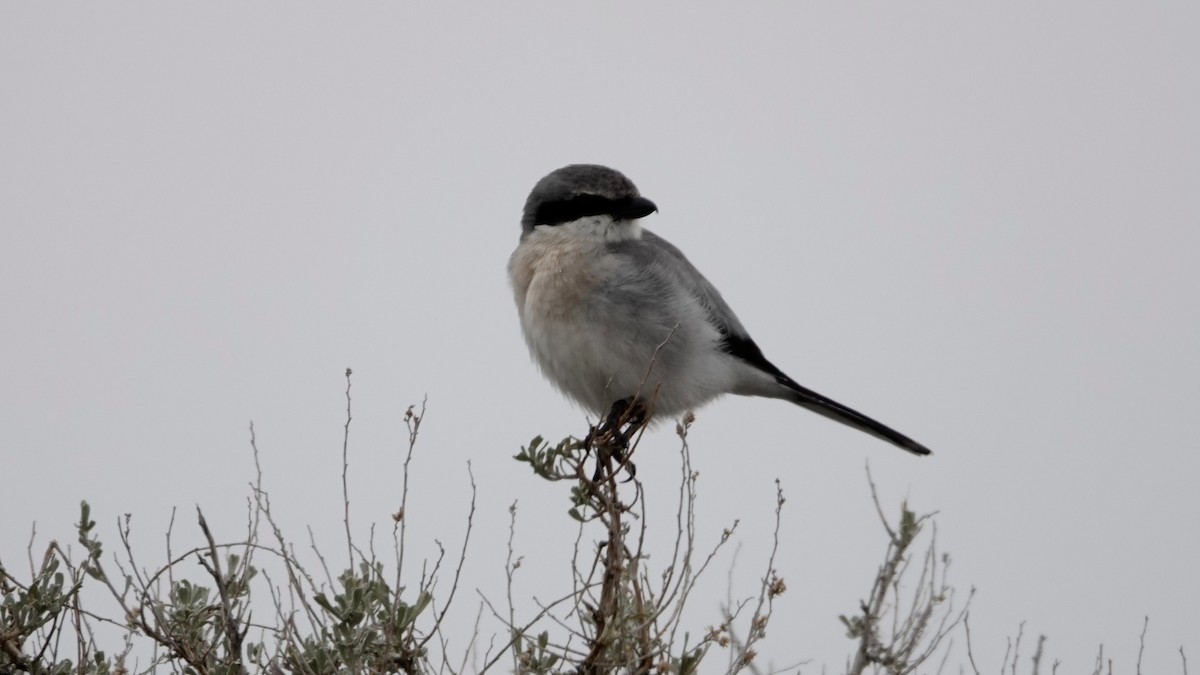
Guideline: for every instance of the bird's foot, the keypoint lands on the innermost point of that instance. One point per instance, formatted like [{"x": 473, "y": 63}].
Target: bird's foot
[{"x": 611, "y": 437}]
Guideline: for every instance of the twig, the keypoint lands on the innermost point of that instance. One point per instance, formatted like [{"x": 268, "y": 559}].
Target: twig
[
  {"x": 517, "y": 634},
  {"x": 966, "y": 625},
  {"x": 771, "y": 586},
  {"x": 345, "y": 471},
  {"x": 1037, "y": 654},
  {"x": 1142, "y": 643},
  {"x": 510, "y": 568},
  {"x": 412, "y": 422},
  {"x": 462, "y": 558},
  {"x": 233, "y": 636},
  {"x": 1017, "y": 646}
]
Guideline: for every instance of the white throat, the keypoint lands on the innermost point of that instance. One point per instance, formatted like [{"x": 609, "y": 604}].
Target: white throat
[{"x": 600, "y": 229}]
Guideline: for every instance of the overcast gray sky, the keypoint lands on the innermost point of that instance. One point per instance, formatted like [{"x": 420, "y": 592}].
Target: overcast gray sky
[{"x": 976, "y": 224}]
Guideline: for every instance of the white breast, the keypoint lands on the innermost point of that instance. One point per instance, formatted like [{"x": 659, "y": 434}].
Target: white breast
[
  {"x": 552, "y": 272},
  {"x": 594, "y": 352}
]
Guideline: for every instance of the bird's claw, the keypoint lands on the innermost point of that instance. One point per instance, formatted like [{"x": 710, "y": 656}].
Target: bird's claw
[{"x": 609, "y": 439}]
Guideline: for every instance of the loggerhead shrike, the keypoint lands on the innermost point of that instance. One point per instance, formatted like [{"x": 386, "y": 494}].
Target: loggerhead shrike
[{"x": 615, "y": 315}]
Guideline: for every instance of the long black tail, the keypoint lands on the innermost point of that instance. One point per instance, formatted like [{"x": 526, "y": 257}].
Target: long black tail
[
  {"x": 830, "y": 408},
  {"x": 742, "y": 347}
]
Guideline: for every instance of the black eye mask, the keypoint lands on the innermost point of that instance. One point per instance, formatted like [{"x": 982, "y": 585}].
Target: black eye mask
[{"x": 581, "y": 206}]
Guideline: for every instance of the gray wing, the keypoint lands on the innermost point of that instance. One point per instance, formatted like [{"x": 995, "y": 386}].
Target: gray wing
[
  {"x": 735, "y": 341},
  {"x": 657, "y": 254},
  {"x": 659, "y": 257}
]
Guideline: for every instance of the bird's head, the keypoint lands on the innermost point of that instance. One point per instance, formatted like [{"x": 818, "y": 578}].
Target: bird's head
[{"x": 580, "y": 190}]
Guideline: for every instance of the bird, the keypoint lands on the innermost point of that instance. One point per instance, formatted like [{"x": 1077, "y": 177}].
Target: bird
[{"x": 617, "y": 318}]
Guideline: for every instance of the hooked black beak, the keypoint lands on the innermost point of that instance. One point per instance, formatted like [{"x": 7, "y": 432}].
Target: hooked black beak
[{"x": 634, "y": 207}]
